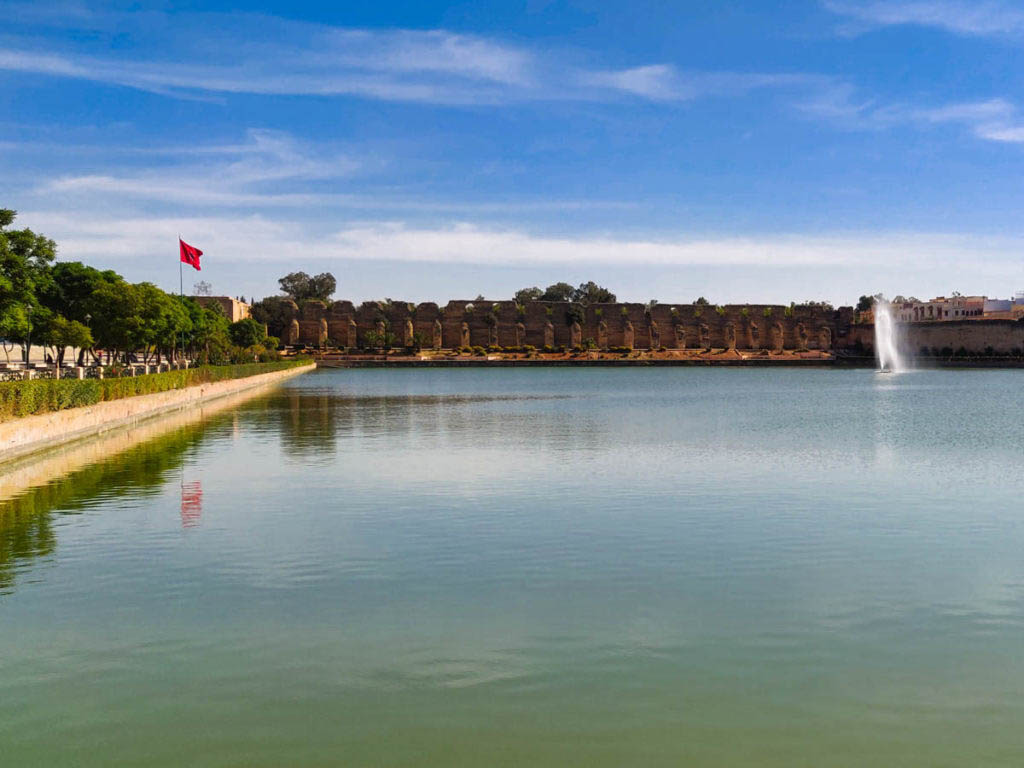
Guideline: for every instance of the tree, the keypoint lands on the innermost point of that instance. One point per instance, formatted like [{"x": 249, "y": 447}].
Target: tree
[
  {"x": 864, "y": 303},
  {"x": 24, "y": 270},
  {"x": 701, "y": 301},
  {"x": 558, "y": 292},
  {"x": 524, "y": 295},
  {"x": 115, "y": 317},
  {"x": 299, "y": 286},
  {"x": 61, "y": 333},
  {"x": 276, "y": 312},
  {"x": 246, "y": 333},
  {"x": 592, "y": 293}
]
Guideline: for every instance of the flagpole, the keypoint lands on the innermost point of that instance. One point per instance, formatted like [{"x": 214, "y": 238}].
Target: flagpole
[{"x": 181, "y": 291}]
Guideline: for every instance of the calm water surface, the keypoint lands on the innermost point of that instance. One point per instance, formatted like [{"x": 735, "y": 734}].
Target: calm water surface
[{"x": 534, "y": 568}]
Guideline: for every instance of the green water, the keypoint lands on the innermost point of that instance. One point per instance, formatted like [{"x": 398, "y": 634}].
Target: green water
[{"x": 534, "y": 568}]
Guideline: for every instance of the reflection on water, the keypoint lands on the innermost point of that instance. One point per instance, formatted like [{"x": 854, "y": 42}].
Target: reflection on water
[
  {"x": 26, "y": 520},
  {"x": 544, "y": 567},
  {"x": 191, "y": 503}
]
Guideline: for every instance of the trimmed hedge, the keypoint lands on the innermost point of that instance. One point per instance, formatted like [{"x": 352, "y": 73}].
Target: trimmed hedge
[{"x": 25, "y": 398}]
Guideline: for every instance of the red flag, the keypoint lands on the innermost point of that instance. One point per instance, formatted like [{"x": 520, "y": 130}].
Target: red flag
[{"x": 190, "y": 254}]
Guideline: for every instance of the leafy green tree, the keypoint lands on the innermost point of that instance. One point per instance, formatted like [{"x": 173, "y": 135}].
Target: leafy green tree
[
  {"x": 300, "y": 287},
  {"x": 592, "y": 293},
  {"x": 525, "y": 295},
  {"x": 24, "y": 271},
  {"x": 558, "y": 292},
  {"x": 246, "y": 333},
  {"x": 59, "y": 333},
  {"x": 116, "y": 322}
]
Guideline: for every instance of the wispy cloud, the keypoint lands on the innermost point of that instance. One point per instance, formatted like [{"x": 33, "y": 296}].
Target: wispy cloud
[
  {"x": 230, "y": 54},
  {"x": 251, "y": 172},
  {"x": 997, "y": 119},
  {"x": 963, "y": 17},
  {"x": 255, "y": 238}
]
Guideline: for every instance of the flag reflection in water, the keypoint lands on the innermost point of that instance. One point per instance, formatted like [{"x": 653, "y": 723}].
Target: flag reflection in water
[{"x": 191, "y": 503}]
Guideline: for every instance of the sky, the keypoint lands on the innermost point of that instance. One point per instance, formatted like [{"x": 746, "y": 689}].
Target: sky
[{"x": 743, "y": 151}]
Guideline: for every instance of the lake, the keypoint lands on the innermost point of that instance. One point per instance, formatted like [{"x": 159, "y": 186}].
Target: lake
[{"x": 539, "y": 567}]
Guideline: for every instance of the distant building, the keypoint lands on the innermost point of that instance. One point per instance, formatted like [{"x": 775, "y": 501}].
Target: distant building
[
  {"x": 234, "y": 309},
  {"x": 941, "y": 308}
]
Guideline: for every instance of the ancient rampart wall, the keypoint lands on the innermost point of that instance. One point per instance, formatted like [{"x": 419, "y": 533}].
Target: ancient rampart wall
[
  {"x": 1004, "y": 337},
  {"x": 506, "y": 324}
]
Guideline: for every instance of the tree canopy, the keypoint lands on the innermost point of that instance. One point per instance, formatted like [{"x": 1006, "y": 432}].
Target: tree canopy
[
  {"x": 300, "y": 287},
  {"x": 586, "y": 293}
]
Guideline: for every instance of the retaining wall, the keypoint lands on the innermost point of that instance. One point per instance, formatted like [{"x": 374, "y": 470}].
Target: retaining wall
[{"x": 20, "y": 437}]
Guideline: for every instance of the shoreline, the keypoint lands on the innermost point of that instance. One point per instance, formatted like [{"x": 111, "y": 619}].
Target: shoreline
[
  {"x": 27, "y": 436},
  {"x": 782, "y": 361}
]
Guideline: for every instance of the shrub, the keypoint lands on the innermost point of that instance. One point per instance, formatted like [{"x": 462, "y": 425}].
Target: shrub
[
  {"x": 1016, "y": 352},
  {"x": 25, "y": 398},
  {"x": 548, "y": 348},
  {"x": 478, "y": 351},
  {"x": 947, "y": 351},
  {"x": 962, "y": 352},
  {"x": 589, "y": 344},
  {"x": 529, "y": 348},
  {"x": 990, "y": 351},
  {"x": 493, "y": 348}
]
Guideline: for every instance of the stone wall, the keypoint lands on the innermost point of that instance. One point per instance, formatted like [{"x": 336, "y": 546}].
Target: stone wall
[
  {"x": 485, "y": 323},
  {"x": 1004, "y": 337}
]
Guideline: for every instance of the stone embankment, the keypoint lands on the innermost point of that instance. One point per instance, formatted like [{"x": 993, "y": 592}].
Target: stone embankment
[{"x": 20, "y": 437}]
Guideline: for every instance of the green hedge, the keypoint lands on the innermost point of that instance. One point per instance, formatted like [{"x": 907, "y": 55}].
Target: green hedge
[{"x": 25, "y": 398}]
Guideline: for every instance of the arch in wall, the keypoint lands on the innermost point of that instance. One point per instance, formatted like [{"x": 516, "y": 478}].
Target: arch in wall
[
  {"x": 825, "y": 338},
  {"x": 655, "y": 335},
  {"x": 627, "y": 335},
  {"x": 680, "y": 336},
  {"x": 438, "y": 335},
  {"x": 704, "y": 335},
  {"x": 801, "y": 336},
  {"x": 602, "y": 335},
  {"x": 292, "y": 333},
  {"x": 776, "y": 338},
  {"x": 520, "y": 334},
  {"x": 464, "y": 334},
  {"x": 352, "y": 337},
  {"x": 549, "y": 334},
  {"x": 753, "y": 334},
  {"x": 729, "y": 333},
  {"x": 575, "y": 335}
]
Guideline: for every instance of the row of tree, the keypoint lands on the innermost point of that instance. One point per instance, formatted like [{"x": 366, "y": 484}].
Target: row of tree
[{"x": 64, "y": 305}]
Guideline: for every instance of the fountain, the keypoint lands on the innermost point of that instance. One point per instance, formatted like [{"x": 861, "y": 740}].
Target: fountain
[{"x": 886, "y": 340}]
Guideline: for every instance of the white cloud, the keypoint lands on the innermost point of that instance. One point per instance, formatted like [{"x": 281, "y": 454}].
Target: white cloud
[
  {"x": 970, "y": 17},
  {"x": 213, "y": 55},
  {"x": 249, "y": 239},
  {"x": 996, "y": 119}
]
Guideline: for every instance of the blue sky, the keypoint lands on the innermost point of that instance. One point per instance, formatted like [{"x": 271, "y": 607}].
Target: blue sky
[{"x": 746, "y": 151}]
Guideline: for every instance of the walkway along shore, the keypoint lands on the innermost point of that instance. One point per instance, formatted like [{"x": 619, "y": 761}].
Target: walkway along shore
[{"x": 31, "y": 434}]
